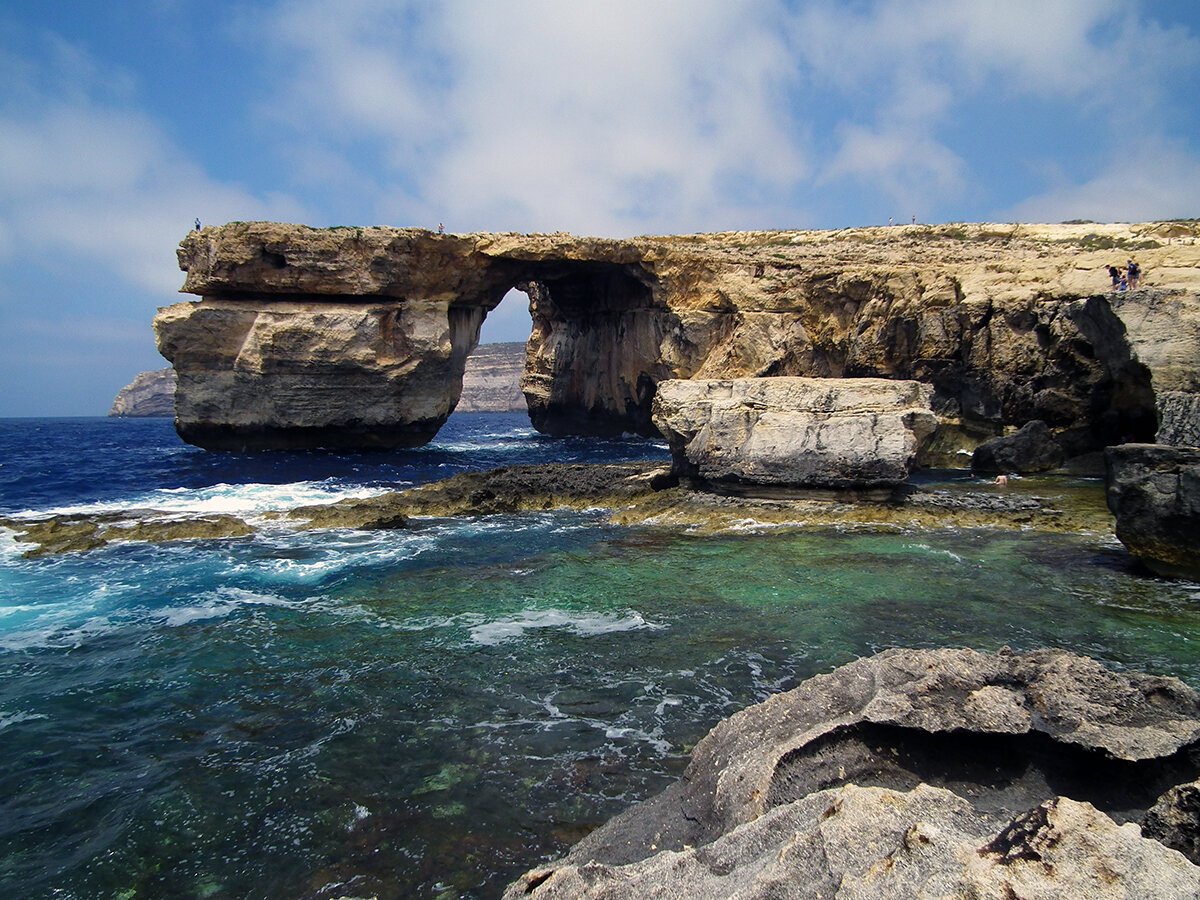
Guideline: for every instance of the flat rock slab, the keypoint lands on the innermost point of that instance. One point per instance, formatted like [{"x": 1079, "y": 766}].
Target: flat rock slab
[
  {"x": 915, "y": 773},
  {"x": 795, "y": 432}
]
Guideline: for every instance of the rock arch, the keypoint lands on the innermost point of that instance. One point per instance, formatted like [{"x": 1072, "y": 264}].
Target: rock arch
[{"x": 357, "y": 337}]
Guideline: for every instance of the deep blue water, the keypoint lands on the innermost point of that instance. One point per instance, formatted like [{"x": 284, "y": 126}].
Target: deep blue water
[{"x": 429, "y": 712}]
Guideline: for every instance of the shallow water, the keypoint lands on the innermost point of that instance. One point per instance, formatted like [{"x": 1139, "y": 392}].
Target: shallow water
[{"x": 429, "y": 712}]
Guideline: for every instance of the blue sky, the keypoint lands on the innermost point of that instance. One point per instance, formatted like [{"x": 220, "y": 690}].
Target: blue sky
[{"x": 122, "y": 122}]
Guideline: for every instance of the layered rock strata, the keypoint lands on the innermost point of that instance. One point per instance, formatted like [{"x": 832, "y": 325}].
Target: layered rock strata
[
  {"x": 1154, "y": 493},
  {"x": 491, "y": 383},
  {"x": 359, "y": 335},
  {"x": 492, "y": 379},
  {"x": 794, "y": 432},
  {"x": 149, "y": 394},
  {"x": 915, "y": 773}
]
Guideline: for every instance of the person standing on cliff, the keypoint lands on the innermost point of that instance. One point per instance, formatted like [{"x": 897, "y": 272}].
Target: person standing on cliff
[
  {"x": 1115, "y": 274},
  {"x": 197, "y": 223},
  {"x": 441, "y": 228},
  {"x": 1133, "y": 273}
]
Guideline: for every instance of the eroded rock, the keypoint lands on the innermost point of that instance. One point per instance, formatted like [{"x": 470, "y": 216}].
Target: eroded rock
[
  {"x": 1031, "y": 449},
  {"x": 795, "y": 432},
  {"x": 914, "y": 773},
  {"x": 1006, "y": 323},
  {"x": 1154, "y": 492}
]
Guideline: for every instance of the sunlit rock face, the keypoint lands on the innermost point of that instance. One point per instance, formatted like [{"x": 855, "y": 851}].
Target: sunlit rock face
[
  {"x": 358, "y": 336},
  {"x": 786, "y": 432}
]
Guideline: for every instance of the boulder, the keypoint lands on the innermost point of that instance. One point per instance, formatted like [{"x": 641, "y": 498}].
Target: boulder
[
  {"x": 794, "y": 432},
  {"x": 1154, "y": 492},
  {"x": 914, "y": 773},
  {"x": 1031, "y": 449}
]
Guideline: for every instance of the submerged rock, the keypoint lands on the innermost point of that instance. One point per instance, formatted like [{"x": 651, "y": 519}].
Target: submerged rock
[
  {"x": 1031, "y": 449},
  {"x": 914, "y": 773},
  {"x": 1154, "y": 492},
  {"x": 794, "y": 432}
]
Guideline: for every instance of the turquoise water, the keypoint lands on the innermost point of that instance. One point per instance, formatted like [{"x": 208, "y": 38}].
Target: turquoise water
[{"x": 430, "y": 712}]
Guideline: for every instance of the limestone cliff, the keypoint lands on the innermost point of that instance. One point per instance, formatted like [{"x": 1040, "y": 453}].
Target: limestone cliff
[
  {"x": 491, "y": 383},
  {"x": 492, "y": 380},
  {"x": 359, "y": 336},
  {"x": 149, "y": 394}
]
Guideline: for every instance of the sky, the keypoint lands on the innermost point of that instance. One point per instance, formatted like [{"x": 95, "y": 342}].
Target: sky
[{"x": 122, "y": 122}]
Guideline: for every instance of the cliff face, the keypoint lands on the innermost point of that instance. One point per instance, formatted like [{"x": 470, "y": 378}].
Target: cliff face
[
  {"x": 359, "y": 336},
  {"x": 492, "y": 380},
  {"x": 491, "y": 383},
  {"x": 149, "y": 394}
]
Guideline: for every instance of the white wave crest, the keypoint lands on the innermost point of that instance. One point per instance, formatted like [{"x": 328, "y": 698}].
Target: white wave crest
[
  {"x": 234, "y": 499},
  {"x": 584, "y": 625}
]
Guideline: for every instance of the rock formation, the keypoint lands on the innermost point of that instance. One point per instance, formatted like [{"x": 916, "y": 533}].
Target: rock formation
[
  {"x": 359, "y": 336},
  {"x": 1030, "y": 449},
  {"x": 149, "y": 394},
  {"x": 492, "y": 380},
  {"x": 944, "y": 773},
  {"x": 794, "y": 432},
  {"x": 1154, "y": 493},
  {"x": 491, "y": 383}
]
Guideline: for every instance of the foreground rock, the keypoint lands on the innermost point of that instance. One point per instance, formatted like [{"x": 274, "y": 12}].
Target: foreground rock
[
  {"x": 1154, "y": 492},
  {"x": 794, "y": 432},
  {"x": 149, "y": 394},
  {"x": 915, "y": 773},
  {"x": 359, "y": 336},
  {"x": 1031, "y": 449}
]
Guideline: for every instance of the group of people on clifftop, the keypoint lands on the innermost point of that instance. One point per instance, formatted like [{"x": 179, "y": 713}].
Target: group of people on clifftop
[{"x": 1127, "y": 279}]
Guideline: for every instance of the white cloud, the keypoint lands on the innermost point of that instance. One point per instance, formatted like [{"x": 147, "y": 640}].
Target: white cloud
[
  {"x": 90, "y": 182},
  {"x": 1147, "y": 179},
  {"x": 609, "y": 118}
]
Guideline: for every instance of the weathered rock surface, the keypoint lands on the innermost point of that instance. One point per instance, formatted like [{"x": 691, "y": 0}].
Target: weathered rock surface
[
  {"x": 491, "y": 383},
  {"x": 1006, "y": 323},
  {"x": 1178, "y": 419},
  {"x": 492, "y": 380},
  {"x": 1154, "y": 493},
  {"x": 794, "y": 432},
  {"x": 78, "y": 533},
  {"x": 1033, "y": 448},
  {"x": 149, "y": 394},
  {"x": 1174, "y": 820},
  {"x": 914, "y": 773}
]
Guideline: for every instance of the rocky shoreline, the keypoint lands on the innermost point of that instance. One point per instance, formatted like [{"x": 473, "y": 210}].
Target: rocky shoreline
[
  {"x": 939, "y": 773},
  {"x": 633, "y": 494}
]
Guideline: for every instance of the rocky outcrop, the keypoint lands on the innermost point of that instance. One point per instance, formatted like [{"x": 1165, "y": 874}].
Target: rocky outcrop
[
  {"x": 1154, "y": 493},
  {"x": 492, "y": 380},
  {"x": 914, "y": 773},
  {"x": 1033, "y": 448},
  {"x": 360, "y": 335},
  {"x": 794, "y": 432},
  {"x": 149, "y": 394}
]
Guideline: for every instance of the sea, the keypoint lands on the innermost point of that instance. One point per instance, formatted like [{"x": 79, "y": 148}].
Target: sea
[{"x": 429, "y": 712}]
